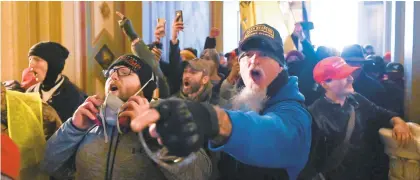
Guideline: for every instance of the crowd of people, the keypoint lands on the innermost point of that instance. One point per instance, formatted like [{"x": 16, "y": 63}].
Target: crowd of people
[{"x": 256, "y": 112}]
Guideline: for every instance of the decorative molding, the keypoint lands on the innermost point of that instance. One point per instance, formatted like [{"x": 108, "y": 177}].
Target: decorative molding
[
  {"x": 83, "y": 46},
  {"x": 105, "y": 10},
  {"x": 104, "y": 57}
]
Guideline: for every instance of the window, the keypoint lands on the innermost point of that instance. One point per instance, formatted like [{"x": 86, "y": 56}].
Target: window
[
  {"x": 335, "y": 22},
  {"x": 231, "y": 25}
]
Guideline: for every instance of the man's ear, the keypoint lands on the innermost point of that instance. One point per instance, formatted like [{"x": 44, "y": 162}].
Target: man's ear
[
  {"x": 324, "y": 85},
  {"x": 280, "y": 68},
  {"x": 205, "y": 80}
]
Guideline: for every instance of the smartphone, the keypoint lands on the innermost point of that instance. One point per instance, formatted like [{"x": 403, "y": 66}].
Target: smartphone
[
  {"x": 163, "y": 22},
  {"x": 178, "y": 16}
]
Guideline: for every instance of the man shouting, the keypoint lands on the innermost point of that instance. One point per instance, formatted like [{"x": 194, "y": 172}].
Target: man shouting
[
  {"x": 270, "y": 130},
  {"x": 93, "y": 146}
]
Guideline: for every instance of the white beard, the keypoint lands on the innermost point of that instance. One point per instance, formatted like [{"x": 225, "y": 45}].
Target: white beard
[{"x": 249, "y": 99}]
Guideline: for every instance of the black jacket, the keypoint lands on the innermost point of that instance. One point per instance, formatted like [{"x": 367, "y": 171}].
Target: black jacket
[
  {"x": 395, "y": 97},
  {"x": 231, "y": 169},
  {"x": 307, "y": 84},
  {"x": 371, "y": 89},
  {"x": 66, "y": 99},
  {"x": 210, "y": 43},
  {"x": 328, "y": 131}
]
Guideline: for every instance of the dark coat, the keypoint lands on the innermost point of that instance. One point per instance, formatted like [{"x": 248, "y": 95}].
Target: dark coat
[
  {"x": 66, "y": 99},
  {"x": 328, "y": 131}
]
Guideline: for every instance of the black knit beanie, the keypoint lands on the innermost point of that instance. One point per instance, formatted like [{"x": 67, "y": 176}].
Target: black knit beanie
[
  {"x": 141, "y": 68},
  {"x": 55, "y": 54}
]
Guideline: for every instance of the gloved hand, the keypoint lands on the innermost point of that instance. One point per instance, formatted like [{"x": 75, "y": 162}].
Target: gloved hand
[
  {"x": 127, "y": 27},
  {"x": 184, "y": 126}
]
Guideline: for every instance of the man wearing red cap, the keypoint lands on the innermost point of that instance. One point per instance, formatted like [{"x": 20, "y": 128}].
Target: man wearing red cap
[
  {"x": 344, "y": 124},
  {"x": 387, "y": 57}
]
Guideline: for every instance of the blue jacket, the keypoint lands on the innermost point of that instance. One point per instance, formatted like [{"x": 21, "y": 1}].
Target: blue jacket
[{"x": 279, "y": 137}]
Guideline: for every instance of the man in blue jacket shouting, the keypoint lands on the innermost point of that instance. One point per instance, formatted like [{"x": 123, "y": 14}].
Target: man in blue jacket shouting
[{"x": 269, "y": 129}]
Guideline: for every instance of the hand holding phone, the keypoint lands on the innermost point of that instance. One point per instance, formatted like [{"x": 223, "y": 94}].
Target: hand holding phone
[
  {"x": 178, "y": 16},
  {"x": 177, "y": 26},
  {"x": 160, "y": 28}
]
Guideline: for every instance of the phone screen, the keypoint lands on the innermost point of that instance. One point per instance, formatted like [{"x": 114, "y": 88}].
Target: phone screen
[{"x": 179, "y": 16}]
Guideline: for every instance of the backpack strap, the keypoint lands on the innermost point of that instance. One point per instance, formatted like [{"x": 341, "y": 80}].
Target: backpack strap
[{"x": 338, "y": 154}]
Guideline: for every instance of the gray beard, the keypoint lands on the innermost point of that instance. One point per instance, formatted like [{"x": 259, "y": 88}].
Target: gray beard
[{"x": 249, "y": 99}]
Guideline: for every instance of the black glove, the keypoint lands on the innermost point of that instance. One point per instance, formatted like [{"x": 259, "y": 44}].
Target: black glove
[
  {"x": 128, "y": 28},
  {"x": 13, "y": 85},
  {"x": 184, "y": 126},
  {"x": 155, "y": 44}
]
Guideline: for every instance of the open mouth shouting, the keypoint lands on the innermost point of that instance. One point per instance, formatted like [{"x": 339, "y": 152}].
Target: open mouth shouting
[
  {"x": 113, "y": 88},
  {"x": 186, "y": 85},
  {"x": 256, "y": 75}
]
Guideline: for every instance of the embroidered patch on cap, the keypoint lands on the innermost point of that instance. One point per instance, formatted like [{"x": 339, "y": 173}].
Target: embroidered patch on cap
[
  {"x": 259, "y": 30},
  {"x": 132, "y": 62}
]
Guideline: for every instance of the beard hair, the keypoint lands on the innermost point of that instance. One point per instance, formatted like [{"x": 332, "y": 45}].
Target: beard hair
[
  {"x": 196, "y": 89},
  {"x": 249, "y": 99}
]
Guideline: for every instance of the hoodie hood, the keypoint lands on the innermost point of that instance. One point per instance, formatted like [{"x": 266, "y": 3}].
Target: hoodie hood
[{"x": 290, "y": 91}]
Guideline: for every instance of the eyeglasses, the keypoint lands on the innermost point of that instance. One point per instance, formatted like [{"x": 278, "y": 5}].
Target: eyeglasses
[{"x": 121, "y": 71}]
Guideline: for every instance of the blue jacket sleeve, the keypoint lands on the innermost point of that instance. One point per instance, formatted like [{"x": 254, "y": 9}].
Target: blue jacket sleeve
[
  {"x": 61, "y": 147},
  {"x": 280, "y": 138}
]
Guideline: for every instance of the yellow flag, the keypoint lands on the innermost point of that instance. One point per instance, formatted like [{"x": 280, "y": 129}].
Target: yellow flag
[
  {"x": 24, "y": 119},
  {"x": 247, "y": 11}
]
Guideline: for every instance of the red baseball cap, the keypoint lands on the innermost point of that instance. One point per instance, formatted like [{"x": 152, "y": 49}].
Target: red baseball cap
[
  {"x": 332, "y": 68},
  {"x": 387, "y": 57}
]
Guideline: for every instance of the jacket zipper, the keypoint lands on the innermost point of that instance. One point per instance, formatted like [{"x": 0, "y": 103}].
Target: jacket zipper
[
  {"x": 109, "y": 155},
  {"x": 114, "y": 154}
]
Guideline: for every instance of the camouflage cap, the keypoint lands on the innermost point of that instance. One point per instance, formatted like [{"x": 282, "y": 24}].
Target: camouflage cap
[{"x": 199, "y": 65}]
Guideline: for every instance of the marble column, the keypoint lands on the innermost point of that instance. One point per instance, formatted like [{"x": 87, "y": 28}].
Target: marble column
[
  {"x": 388, "y": 25},
  {"x": 397, "y": 33},
  {"x": 216, "y": 20},
  {"x": 412, "y": 59},
  {"x": 23, "y": 25}
]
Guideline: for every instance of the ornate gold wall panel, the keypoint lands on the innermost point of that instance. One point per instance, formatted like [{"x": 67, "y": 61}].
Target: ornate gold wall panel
[
  {"x": 85, "y": 28},
  {"x": 23, "y": 25}
]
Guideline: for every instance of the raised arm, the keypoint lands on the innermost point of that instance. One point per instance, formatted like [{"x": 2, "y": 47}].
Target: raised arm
[
  {"x": 211, "y": 39},
  {"x": 175, "y": 72},
  {"x": 140, "y": 49}
]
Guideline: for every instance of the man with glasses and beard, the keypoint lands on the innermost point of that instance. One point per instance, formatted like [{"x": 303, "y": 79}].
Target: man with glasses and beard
[
  {"x": 268, "y": 136},
  {"x": 97, "y": 142}
]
